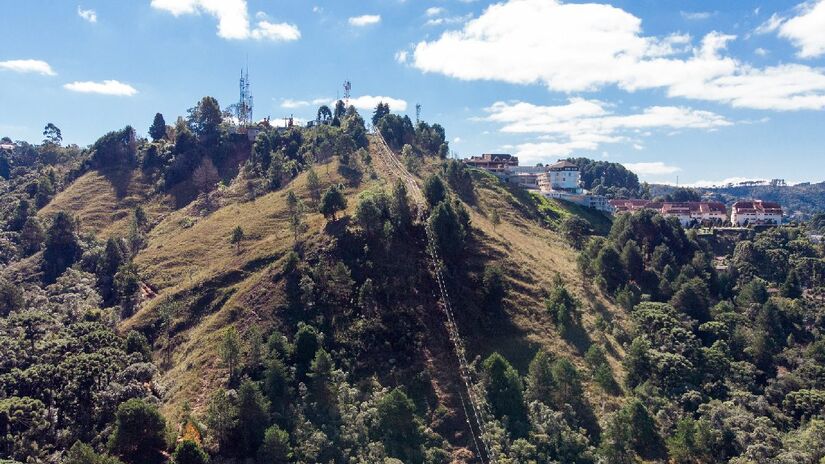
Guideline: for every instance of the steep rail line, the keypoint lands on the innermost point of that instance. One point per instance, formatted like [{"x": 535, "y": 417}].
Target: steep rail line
[{"x": 478, "y": 409}]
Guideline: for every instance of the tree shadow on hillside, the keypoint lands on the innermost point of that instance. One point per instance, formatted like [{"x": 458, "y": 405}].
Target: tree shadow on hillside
[
  {"x": 337, "y": 227},
  {"x": 120, "y": 179},
  {"x": 576, "y": 335},
  {"x": 351, "y": 175}
]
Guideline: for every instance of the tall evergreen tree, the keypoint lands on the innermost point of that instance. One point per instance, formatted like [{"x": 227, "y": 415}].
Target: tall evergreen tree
[
  {"x": 505, "y": 393},
  {"x": 158, "y": 128},
  {"x": 139, "y": 433},
  {"x": 253, "y": 417},
  {"x": 398, "y": 427},
  {"x": 62, "y": 246}
]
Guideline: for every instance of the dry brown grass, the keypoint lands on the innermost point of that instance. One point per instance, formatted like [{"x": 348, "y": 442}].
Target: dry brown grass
[
  {"x": 189, "y": 256},
  {"x": 189, "y": 259},
  {"x": 531, "y": 256},
  {"x": 104, "y": 202}
]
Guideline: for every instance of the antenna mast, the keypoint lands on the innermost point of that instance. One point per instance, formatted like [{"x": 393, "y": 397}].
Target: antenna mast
[
  {"x": 347, "y": 89},
  {"x": 244, "y": 110}
]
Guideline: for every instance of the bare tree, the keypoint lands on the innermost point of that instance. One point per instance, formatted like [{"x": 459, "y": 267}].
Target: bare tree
[{"x": 205, "y": 176}]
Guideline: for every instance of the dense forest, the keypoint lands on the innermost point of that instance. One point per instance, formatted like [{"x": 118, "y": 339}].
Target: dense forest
[{"x": 676, "y": 348}]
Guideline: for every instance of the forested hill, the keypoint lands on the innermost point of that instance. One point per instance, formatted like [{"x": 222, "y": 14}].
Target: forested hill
[{"x": 201, "y": 294}]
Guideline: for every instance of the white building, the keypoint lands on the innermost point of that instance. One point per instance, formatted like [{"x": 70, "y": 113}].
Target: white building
[
  {"x": 598, "y": 202},
  {"x": 563, "y": 175},
  {"x": 688, "y": 213},
  {"x": 755, "y": 212}
]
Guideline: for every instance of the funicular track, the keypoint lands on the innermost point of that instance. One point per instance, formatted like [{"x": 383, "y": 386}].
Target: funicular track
[{"x": 477, "y": 412}]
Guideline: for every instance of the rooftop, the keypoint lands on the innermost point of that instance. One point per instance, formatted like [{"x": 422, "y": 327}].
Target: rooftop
[{"x": 561, "y": 165}]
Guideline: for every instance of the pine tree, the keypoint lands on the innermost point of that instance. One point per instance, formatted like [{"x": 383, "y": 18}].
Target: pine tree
[
  {"x": 791, "y": 288},
  {"x": 398, "y": 427},
  {"x": 230, "y": 351},
  {"x": 400, "y": 206},
  {"x": 139, "y": 433},
  {"x": 31, "y": 236},
  {"x": 295, "y": 208},
  {"x": 188, "y": 452},
  {"x": 505, "y": 392},
  {"x": 314, "y": 186},
  {"x": 253, "y": 417},
  {"x": 332, "y": 202},
  {"x": 158, "y": 128},
  {"x": 237, "y": 237},
  {"x": 540, "y": 383},
  {"x": 222, "y": 419},
  {"x": 275, "y": 448},
  {"x": 434, "y": 190},
  {"x": 62, "y": 246},
  {"x": 321, "y": 390}
]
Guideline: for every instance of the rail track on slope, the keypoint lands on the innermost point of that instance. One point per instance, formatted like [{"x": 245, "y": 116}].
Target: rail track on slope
[{"x": 478, "y": 410}]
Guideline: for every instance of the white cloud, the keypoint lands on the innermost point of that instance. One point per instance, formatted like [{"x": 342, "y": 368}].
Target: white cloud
[
  {"x": 277, "y": 32},
  {"x": 292, "y": 104},
  {"x": 28, "y": 66},
  {"x": 364, "y": 20},
  {"x": 585, "y": 47},
  {"x": 807, "y": 30},
  {"x": 449, "y": 20},
  {"x": 401, "y": 56},
  {"x": 769, "y": 25},
  {"x": 434, "y": 11},
  {"x": 107, "y": 87},
  {"x": 457, "y": 140},
  {"x": 761, "y": 51},
  {"x": 655, "y": 168},
  {"x": 696, "y": 15},
  {"x": 88, "y": 15},
  {"x": 233, "y": 19},
  {"x": 588, "y": 124},
  {"x": 369, "y": 102}
]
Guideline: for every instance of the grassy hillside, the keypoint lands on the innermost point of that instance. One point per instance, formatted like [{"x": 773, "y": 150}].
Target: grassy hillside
[
  {"x": 531, "y": 254},
  {"x": 103, "y": 201},
  {"x": 189, "y": 261}
]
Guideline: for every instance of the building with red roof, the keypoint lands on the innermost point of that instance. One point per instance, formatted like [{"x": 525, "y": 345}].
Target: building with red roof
[
  {"x": 756, "y": 212},
  {"x": 687, "y": 212}
]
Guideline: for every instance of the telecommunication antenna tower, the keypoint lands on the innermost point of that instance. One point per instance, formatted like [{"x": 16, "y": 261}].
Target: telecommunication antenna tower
[
  {"x": 347, "y": 89},
  {"x": 417, "y": 113},
  {"x": 244, "y": 109}
]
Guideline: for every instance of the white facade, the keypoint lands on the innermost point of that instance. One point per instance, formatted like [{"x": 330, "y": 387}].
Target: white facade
[
  {"x": 563, "y": 175},
  {"x": 755, "y": 212},
  {"x": 598, "y": 202}
]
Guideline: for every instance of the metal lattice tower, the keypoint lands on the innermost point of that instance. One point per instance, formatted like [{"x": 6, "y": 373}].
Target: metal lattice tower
[
  {"x": 347, "y": 89},
  {"x": 244, "y": 109}
]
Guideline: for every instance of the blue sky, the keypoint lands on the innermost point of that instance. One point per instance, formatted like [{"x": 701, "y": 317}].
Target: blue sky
[{"x": 704, "y": 91}]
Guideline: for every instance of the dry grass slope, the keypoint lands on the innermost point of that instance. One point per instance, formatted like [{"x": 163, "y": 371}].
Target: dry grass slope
[
  {"x": 104, "y": 201},
  {"x": 531, "y": 255},
  {"x": 190, "y": 259}
]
